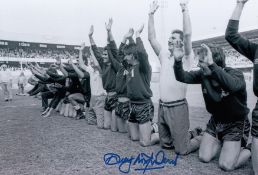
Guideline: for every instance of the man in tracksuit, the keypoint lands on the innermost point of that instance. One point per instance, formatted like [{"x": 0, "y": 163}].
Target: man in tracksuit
[
  {"x": 224, "y": 92},
  {"x": 139, "y": 93},
  {"x": 249, "y": 50},
  {"x": 173, "y": 114},
  {"x": 109, "y": 82}
]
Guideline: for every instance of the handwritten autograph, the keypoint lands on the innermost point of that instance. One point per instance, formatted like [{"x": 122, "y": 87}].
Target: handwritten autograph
[{"x": 144, "y": 161}]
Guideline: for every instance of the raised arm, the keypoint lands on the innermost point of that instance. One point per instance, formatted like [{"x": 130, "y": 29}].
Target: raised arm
[
  {"x": 112, "y": 43},
  {"x": 94, "y": 61},
  {"x": 241, "y": 44},
  {"x": 111, "y": 46},
  {"x": 238, "y": 9},
  {"x": 76, "y": 69},
  {"x": 142, "y": 54},
  {"x": 131, "y": 41},
  {"x": 37, "y": 65},
  {"x": 63, "y": 70},
  {"x": 109, "y": 31},
  {"x": 40, "y": 76},
  {"x": 114, "y": 63},
  {"x": 140, "y": 43},
  {"x": 95, "y": 49},
  {"x": 53, "y": 75},
  {"x": 92, "y": 42},
  {"x": 127, "y": 36},
  {"x": 231, "y": 81},
  {"x": 61, "y": 66},
  {"x": 192, "y": 77},
  {"x": 187, "y": 28},
  {"x": 151, "y": 29},
  {"x": 81, "y": 62},
  {"x": 38, "y": 69}
]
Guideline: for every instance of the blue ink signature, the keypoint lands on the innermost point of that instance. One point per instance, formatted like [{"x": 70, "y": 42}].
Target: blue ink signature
[{"x": 146, "y": 162}]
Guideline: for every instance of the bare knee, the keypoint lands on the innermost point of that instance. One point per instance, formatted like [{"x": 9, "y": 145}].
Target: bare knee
[
  {"x": 134, "y": 138},
  {"x": 113, "y": 129},
  {"x": 226, "y": 165},
  {"x": 144, "y": 143},
  {"x": 181, "y": 152},
  {"x": 106, "y": 127},
  {"x": 205, "y": 158},
  {"x": 122, "y": 130},
  {"x": 70, "y": 98}
]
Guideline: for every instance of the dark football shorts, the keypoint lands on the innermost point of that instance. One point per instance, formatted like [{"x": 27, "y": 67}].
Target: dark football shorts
[
  {"x": 110, "y": 102},
  {"x": 233, "y": 131},
  {"x": 122, "y": 110},
  {"x": 254, "y": 130},
  {"x": 141, "y": 112}
]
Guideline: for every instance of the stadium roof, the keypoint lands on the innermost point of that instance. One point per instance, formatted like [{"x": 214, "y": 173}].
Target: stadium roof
[{"x": 220, "y": 40}]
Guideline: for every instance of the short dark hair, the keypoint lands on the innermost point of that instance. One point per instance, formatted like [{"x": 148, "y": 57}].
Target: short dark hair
[
  {"x": 130, "y": 49},
  {"x": 69, "y": 68},
  {"x": 51, "y": 70},
  {"x": 218, "y": 54},
  {"x": 180, "y": 32},
  {"x": 105, "y": 48},
  {"x": 85, "y": 55}
]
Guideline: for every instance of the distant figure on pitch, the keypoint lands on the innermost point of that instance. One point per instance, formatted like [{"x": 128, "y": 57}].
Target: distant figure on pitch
[
  {"x": 6, "y": 83},
  {"x": 22, "y": 81}
]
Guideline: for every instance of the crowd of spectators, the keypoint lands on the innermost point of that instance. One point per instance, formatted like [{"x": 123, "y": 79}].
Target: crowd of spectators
[
  {"x": 10, "y": 68},
  {"x": 37, "y": 53},
  {"x": 234, "y": 59}
]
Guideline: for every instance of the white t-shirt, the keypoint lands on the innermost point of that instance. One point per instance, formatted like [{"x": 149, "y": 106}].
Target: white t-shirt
[
  {"x": 170, "y": 88},
  {"x": 6, "y": 76},
  {"x": 22, "y": 80},
  {"x": 96, "y": 82}
]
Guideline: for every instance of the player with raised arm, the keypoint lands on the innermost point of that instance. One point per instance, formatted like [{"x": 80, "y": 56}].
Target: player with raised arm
[
  {"x": 225, "y": 96},
  {"x": 139, "y": 92},
  {"x": 116, "y": 56},
  {"x": 96, "y": 111},
  {"x": 109, "y": 82},
  {"x": 173, "y": 120},
  {"x": 84, "y": 94},
  {"x": 250, "y": 50}
]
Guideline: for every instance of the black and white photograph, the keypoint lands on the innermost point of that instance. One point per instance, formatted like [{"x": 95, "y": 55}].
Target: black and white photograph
[{"x": 155, "y": 87}]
